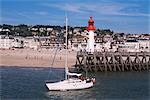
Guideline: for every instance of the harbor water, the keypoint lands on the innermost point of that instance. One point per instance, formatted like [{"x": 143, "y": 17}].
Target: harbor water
[{"x": 29, "y": 84}]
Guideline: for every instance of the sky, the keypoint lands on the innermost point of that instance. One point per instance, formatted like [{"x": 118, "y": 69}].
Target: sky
[{"x": 128, "y": 16}]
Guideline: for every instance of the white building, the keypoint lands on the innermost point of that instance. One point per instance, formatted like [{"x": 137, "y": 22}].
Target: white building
[
  {"x": 107, "y": 46},
  {"x": 42, "y": 29},
  {"x": 98, "y": 47},
  {"x": 34, "y": 29},
  {"x": 5, "y": 42},
  {"x": 29, "y": 42},
  {"x": 76, "y": 30},
  {"x": 144, "y": 45},
  {"x": 135, "y": 46},
  {"x": 129, "y": 46},
  {"x": 5, "y": 30},
  {"x": 1, "y": 29},
  {"x": 49, "y": 29}
]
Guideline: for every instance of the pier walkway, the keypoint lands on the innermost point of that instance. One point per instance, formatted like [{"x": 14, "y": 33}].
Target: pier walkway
[{"x": 113, "y": 61}]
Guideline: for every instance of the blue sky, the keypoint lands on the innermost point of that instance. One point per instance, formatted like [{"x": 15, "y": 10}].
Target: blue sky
[{"x": 129, "y": 16}]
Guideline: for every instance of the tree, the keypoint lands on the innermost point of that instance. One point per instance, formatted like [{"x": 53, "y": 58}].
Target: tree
[
  {"x": 23, "y": 30},
  {"x": 5, "y": 26}
]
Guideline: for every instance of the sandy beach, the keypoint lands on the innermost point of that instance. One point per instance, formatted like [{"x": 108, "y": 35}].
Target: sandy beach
[{"x": 34, "y": 58}]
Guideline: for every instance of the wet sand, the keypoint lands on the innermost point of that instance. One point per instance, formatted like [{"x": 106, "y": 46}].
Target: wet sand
[{"x": 34, "y": 58}]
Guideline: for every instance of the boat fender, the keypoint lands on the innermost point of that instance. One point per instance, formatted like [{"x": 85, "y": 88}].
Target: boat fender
[{"x": 93, "y": 80}]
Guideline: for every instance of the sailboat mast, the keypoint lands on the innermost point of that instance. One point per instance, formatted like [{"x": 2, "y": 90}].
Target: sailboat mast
[{"x": 66, "y": 59}]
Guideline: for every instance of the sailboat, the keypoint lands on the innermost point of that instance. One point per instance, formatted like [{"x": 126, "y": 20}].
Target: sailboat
[{"x": 72, "y": 81}]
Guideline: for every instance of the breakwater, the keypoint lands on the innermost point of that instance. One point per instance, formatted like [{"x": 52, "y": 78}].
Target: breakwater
[{"x": 113, "y": 61}]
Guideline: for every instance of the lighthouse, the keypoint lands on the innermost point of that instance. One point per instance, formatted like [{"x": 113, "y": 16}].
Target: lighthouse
[{"x": 91, "y": 41}]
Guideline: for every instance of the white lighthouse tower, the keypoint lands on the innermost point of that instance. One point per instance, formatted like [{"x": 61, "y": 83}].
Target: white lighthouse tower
[{"x": 91, "y": 41}]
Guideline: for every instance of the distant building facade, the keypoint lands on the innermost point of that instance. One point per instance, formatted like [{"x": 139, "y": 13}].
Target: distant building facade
[{"x": 7, "y": 42}]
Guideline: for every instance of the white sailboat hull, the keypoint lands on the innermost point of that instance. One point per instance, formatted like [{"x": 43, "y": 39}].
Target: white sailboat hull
[{"x": 69, "y": 84}]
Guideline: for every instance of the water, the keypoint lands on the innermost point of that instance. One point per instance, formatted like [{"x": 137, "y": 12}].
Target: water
[{"x": 29, "y": 84}]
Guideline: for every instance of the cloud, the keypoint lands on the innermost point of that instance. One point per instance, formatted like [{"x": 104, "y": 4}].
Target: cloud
[
  {"x": 42, "y": 13},
  {"x": 33, "y": 14},
  {"x": 24, "y": 15},
  {"x": 67, "y": 7},
  {"x": 116, "y": 9}
]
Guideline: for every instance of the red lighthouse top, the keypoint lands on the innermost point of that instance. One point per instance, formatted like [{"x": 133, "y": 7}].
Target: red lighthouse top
[{"x": 91, "y": 24}]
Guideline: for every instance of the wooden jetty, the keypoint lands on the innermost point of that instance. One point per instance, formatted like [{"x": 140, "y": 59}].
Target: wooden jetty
[{"x": 113, "y": 61}]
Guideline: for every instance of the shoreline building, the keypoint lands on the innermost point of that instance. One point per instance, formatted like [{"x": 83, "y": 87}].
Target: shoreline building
[
  {"x": 91, "y": 41},
  {"x": 8, "y": 42},
  {"x": 5, "y": 42},
  {"x": 141, "y": 45}
]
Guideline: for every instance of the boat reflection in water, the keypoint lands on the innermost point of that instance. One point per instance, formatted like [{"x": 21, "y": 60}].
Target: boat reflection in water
[{"x": 74, "y": 94}]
